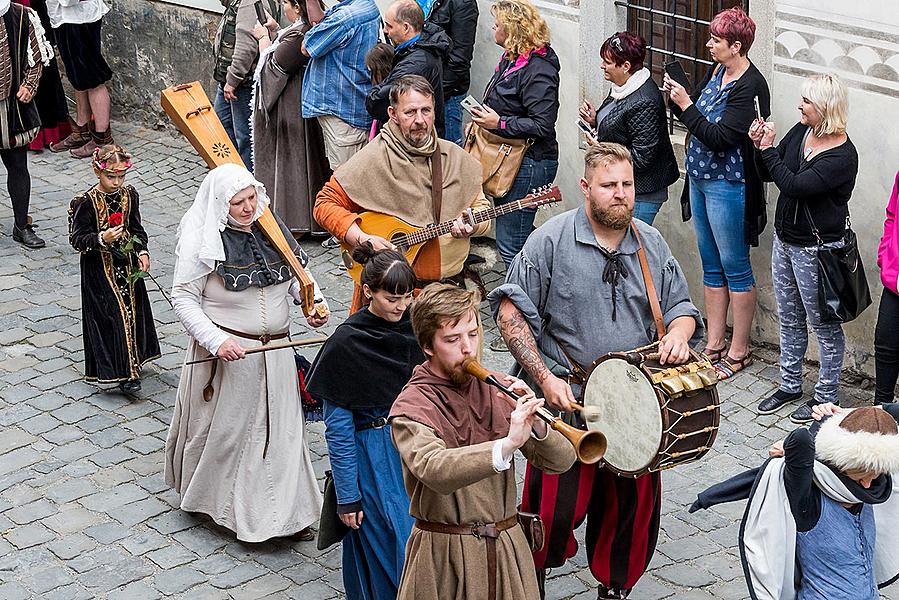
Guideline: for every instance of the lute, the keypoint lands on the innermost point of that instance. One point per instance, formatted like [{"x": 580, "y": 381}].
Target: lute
[{"x": 409, "y": 239}]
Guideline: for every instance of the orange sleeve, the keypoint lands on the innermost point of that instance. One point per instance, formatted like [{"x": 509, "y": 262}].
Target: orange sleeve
[{"x": 334, "y": 210}]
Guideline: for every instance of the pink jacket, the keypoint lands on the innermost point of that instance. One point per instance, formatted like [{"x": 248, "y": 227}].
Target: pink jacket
[{"x": 888, "y": 252}]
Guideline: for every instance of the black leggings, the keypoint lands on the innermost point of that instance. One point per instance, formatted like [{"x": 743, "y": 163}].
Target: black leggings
[
  {"x": 18, "y": 182},
  {"x": 886, "y": 347}
]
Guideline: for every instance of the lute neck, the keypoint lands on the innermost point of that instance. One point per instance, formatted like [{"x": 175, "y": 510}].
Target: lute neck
[{"x": 430, "y": 232}]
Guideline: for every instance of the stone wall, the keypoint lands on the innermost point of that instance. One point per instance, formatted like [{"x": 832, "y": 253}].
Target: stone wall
[{"x": 151, "y": 45}]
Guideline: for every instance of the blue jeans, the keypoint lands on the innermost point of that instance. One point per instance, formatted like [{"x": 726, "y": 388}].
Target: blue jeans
[
  {"x": 513, "y": 229},
  {"x": 647, "y": 206},
  {"x": 452, "y": 118},
  {"x": 235, "y": 117},
  {"x": 718, "y": 207}
]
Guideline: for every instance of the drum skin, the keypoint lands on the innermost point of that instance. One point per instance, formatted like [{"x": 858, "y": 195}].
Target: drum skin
[
  {"x": 629, "y": 413},
  {"x": 641, "y": 421}
]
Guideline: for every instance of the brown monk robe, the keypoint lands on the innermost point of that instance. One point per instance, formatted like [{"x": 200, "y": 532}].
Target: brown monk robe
[{"x": 445, "y": 434}]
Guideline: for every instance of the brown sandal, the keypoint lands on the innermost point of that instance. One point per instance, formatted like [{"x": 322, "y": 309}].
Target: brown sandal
[
  {"x": 727, "y": 367},
  {"x": 714, "y": 356}
]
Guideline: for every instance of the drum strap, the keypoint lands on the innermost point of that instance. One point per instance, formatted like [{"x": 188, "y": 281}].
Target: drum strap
[{"x": 650, "y": 286}]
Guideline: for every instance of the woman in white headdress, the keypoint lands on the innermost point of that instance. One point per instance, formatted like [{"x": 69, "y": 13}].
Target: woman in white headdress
[{"x": 235, "y": 449}]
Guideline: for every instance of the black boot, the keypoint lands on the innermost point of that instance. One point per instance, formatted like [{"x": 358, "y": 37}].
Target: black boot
[
  {"x": 130, "y": 388},
  {"x": 27, "y": 237}
]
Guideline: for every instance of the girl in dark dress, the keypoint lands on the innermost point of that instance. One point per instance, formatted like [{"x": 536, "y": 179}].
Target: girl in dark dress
[{"x": 105, "y": 227}]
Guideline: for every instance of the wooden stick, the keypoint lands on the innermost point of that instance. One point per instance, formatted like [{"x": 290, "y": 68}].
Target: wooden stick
[{"x": 310, "y": 342}]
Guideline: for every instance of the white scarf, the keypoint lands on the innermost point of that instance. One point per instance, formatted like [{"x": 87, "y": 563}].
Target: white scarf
[
  {"x": 4, "y": 6},
  {"x": 768, "y": 532},
  {"x": 631, "y": 85},
  {"x": 199, "y": 235}
]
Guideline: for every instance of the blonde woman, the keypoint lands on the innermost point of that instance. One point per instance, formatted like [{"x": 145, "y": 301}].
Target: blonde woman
[
  {"x": 522, "y": 101},
  {"x": 814, "y": 167}
]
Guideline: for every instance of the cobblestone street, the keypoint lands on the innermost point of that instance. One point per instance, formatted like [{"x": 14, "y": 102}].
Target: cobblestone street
[{"x": 84, "y": 510}]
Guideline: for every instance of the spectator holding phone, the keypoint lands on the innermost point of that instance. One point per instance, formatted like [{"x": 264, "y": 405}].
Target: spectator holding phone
[
  {"x": 633, "y": 115},
  {"x": 522, "y": 101},
  {"x": 814, "y": 167},
  {"x": 723, "y": 192}
]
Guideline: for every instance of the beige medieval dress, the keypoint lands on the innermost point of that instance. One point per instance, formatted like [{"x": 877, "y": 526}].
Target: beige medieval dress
[
  {"x": 216, "y": 454},
  {"x": 459, "y": 486}
]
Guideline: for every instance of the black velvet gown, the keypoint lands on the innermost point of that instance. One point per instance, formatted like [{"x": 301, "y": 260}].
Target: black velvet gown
[{"x": 117, "y": 322}]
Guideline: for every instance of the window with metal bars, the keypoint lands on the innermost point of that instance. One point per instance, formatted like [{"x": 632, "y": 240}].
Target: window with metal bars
[{"x": 675, "y": 29}]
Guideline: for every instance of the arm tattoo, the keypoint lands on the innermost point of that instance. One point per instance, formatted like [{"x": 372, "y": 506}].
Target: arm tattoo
[{"x": 521, "y": 342}]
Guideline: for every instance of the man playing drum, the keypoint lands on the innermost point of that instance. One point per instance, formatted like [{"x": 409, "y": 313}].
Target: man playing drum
[{"x": 573, "y": 294}]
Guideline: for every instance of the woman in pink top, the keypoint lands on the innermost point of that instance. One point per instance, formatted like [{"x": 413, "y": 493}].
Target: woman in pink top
[{"x": 886, "y": 335}]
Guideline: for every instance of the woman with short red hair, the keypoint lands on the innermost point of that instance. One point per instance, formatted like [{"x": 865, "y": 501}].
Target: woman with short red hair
[
  {"x": 723, "y": 192},
  {"x": 633, "y": 115}
]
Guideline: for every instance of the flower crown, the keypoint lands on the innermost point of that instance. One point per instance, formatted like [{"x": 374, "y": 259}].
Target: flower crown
[{"x": 101, "y": 160}]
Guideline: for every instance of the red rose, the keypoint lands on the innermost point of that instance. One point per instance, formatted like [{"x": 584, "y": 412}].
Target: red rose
[{"x": 115, "y": 219}]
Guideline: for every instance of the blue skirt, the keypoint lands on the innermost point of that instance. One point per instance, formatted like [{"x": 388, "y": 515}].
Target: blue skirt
[{"x": 373, "y": 554}]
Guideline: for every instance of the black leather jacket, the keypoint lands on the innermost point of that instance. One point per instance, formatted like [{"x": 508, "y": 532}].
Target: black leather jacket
[
  {"x": 638, "y": 121},
  {"x": 459, "y": 19}
]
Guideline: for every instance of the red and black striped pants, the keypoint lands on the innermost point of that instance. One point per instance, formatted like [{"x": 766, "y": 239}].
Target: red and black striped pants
[{"x": 622, "y": 517}]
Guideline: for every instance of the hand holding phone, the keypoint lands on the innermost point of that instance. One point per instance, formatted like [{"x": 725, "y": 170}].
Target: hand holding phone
[
  {"x": 468, "y": 103},
  {"x": 587, "y": 131},
  {"x": 676, "y": 72}
]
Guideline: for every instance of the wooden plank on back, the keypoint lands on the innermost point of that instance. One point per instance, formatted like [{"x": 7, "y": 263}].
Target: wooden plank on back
[{"x": 189, "y": 109}]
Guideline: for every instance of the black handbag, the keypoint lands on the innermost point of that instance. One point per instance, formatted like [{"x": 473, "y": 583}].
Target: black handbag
[
  {"x": 843, "y": 292},
  {"x": 330, "y": 528}
]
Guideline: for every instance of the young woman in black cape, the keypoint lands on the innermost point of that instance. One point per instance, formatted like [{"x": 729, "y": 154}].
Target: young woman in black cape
[{"x": 357, "y": 375}]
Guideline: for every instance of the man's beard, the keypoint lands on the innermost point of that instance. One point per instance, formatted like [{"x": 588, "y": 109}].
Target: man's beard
[
  {"x": 616, "y": 217},
  {"x": 458, "y": 376},
  {"x": 417, "y": 137}
]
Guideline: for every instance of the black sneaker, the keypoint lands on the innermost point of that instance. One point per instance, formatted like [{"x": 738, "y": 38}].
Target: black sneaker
[
  {"x": 498, "y": 345},
  {"x": 772, "y": 403},
  {"x": 331, "y": 242},
  {"x": 27, "y": 237},
  {"x": 130, "y": 388},
  {"x": 604, "y": 593},
  {"x": 802, "y": 415}
]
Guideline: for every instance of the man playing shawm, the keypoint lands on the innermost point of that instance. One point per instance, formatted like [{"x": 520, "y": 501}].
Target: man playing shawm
[{"x": 456, "y": 437}]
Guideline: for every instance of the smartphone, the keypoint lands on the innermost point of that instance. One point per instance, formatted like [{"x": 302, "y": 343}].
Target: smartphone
[
  {"x": 758, "y": 110},
  {"x": 260, "y": 13},
  {"x": 586, "y": 129},
  {"x": 469, "y": 102},
  {"x": 676, "y": 72}
]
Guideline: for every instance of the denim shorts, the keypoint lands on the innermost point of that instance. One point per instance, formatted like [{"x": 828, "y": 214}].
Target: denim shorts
[{"x": 718, "y": 207}]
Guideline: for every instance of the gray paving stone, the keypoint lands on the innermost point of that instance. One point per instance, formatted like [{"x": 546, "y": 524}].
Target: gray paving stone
[
  {"x": 175, "y": 521},
  {"x": 262, "y": 587},
  {"x": 171, "y": 556},
  {"x": 118, "y": 496},
  {"x": 14, "y": 591},
  {"x": 71, "y": 489},
  {"x": 73, "y": 591},
  {"x": 71, "y": 546},
  {"x": 107, "y": 533},
  {"x": 48, "y": 579},
  {"x": 72, "y": 519},
  {"x": 201, "y": 540},
  {"x": 139, "y": 590},
  {"x": 177, "y": 580},
  {"x": 28, "y": 536},
  {"x": 28, "y": 513},
  {"x": 237, "y": 576},
  {"x": 145, "y": 541}
]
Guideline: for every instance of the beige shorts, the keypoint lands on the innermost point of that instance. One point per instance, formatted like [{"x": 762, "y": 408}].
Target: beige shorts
[{"x": 342, "y": 140}]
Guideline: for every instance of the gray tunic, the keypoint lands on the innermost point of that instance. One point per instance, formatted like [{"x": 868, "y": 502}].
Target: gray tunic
[{"x": 556, "y": 282}]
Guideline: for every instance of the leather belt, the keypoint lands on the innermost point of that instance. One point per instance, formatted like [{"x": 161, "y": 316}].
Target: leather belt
[
  {"x": 487, "y": 531},
  {"x": 378, "y": 423},
  {"x": 264, "y": 338}
]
